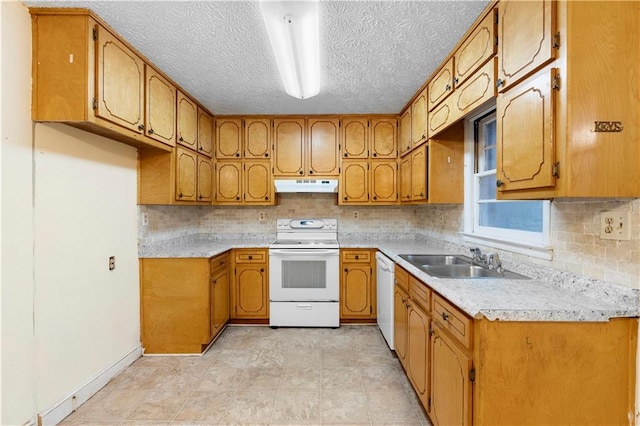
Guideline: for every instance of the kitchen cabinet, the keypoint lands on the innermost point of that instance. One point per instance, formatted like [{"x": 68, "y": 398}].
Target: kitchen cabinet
[
  {"x": 354, "y": 182},
  {"x": 405, "y": 141},
  {"x": 419, "y": 174},
  {"x": 441, "y": 85},
  {"x": 246, "y": 182},
  {"x": 419, "y": 119},
  {"x": 187, "y": 122},
  {"x": 250, "y": 285},
  {"x": 323, "y": 147},
  {"x": 480, "y": 45},
  {"x": 205, "y": 133},
  {"x": 219, "y": 270},
  {"x": 418, "y": 325},
  {"x": 401, "y": 314},
  {"x": 383, "y": 182},
  {"x": 160, "y": 104},
  {"x": 228, "y": 138},
  {"x": 289, "y": 147},
  {"x": 180, "y": 177},
  {"x": 357, "y": 285},
  {"x": 257, "y": 138},
  {"x": 355, "y": 137},
  {"x": 383, "y": 138},
  {"x": 368, "y": 182},
  {"x": 177, "y": 310},
  {"x": 405, "y": 179},
  {"x": 580, "y": 137},
  {"x": 528, "y": 38}
]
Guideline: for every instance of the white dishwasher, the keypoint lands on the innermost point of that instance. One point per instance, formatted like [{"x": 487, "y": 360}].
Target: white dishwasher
[{"x": 385, "y": 281}]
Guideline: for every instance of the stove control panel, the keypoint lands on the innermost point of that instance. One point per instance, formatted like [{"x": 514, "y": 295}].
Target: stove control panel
[{"x": 307, "y": 224}]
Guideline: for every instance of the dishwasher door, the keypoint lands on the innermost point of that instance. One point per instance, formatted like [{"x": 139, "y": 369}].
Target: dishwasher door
[{"x": 385, "y": 281}]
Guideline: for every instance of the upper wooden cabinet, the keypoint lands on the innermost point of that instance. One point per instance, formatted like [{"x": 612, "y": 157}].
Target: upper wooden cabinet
[
  {"x": 228, "y": 182},
  {"x": 405, "y": 142},
  {"x": 384, "y": 140},
  {"x": 477, "y": 48},
  {"x": 244, "y": 182},
  {"x": 228, "y": 138},
  {"x": 419, "y": 119},
  {"x": 354, "y": 182},
  {"x": 160, "y": 103},
  {"x": 374, "y": 137},
  {"x": 383, "y": 181},
  {"x": 419, "y": 174},
  {"x": 368, "y": 182},
  {"x": 289, "y": 147},
  {"x": 355, "y": 137},
  {"x": 441, "y": 85},
  {"x": 323, "y": 141},
  {"x": 527, "y": 39},
  {"x": 193, "y": 176},
  {"x": 205, "y": 133},
  {"x": 258, "y": 183},
  {"x": 257, "y": 138},
  {"x": 562, "y": 131},
  {"x": 187, "y": 127}
]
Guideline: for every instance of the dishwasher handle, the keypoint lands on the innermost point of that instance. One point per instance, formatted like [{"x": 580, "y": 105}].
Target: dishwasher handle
[{"x": 384, "y": 262}]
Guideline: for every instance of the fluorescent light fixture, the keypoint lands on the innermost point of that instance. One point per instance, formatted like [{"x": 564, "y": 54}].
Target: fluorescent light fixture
[{"x": 293, "y": 31}]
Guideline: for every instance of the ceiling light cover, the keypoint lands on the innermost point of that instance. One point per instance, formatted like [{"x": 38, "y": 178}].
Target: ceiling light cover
[{"x": 294, "y": 34}]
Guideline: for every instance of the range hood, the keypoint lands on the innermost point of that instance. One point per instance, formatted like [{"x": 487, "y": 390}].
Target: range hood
[{"x": 306, "y": 185}]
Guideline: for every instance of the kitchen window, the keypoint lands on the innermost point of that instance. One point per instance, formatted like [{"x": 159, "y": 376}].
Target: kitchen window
[{"x": 518, "y": 226}]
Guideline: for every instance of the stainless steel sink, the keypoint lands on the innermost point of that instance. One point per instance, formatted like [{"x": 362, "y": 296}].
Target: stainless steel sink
[{"x": 459, "y": 267}]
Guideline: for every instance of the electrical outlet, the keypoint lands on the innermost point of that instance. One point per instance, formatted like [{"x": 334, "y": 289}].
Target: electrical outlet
[
  {"x": 356, "y": 215},
  {"x": 145, "y": 219},
  {"x": 615, "y": 225},
  {"x": 261, "y": 216},
  {"x": 112, "y": 263}
]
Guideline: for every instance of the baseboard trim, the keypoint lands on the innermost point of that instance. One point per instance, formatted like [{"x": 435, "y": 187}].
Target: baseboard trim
[{"x": 85, "y": 391}]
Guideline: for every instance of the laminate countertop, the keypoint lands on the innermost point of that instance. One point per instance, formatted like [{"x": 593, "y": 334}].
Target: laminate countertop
[{"x": 550, "y": 295}]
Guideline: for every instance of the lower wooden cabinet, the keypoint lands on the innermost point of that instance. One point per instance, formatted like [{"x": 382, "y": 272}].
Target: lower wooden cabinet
[
  {"x": 357, "y": 284},
  {"x": 180, "y": 303},
  {"x": 418, "y": 325},
  {"x": 250, "y": 284},
  {"x": 400, "y": 325}
]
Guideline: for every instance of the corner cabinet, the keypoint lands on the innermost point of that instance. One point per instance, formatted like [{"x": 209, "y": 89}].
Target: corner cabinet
[
  {"x": 357, "y": 285},
  {"x": 183, "y": 303},
  {"x": 250, "y": 284},
  {"x": 580, "y": 135}
]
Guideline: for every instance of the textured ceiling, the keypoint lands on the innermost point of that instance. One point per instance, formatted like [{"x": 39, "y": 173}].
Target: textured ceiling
[{"x": 374, "y": 54}]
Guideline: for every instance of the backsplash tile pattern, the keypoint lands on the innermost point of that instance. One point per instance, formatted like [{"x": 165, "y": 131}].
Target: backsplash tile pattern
[{"x": 574, "y": 229}]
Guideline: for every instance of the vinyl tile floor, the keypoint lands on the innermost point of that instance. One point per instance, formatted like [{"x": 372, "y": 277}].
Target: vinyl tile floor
[{"x": 264, "y": 376}]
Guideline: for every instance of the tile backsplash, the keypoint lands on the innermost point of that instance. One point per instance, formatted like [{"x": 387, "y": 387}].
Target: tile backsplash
[{"x": 577, "y": 247}]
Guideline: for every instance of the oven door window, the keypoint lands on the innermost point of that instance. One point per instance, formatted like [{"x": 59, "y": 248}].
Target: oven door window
[{"x": 297, "y": 274}]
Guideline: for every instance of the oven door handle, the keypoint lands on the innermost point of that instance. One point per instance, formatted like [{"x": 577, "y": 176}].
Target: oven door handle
[{"x": 305, "y": 252}]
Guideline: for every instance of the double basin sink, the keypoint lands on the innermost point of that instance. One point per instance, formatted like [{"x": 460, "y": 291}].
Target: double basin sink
[{"x": 456, "y": 266}]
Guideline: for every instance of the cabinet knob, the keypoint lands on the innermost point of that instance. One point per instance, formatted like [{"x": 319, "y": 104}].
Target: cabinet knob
[
  {"x": 448, "y": 87},
  {"x": 346, "y": 198},
  {"x": 266, "y": 154},
  {"x": 357, "y": 257},
  {"x": 150, "y": 131},
  {"x": 200, "y": 148},
  {"x": 261, "y": 269},
  {"x": 499, "y": 183},
  {"x": 301, "y": 172},
  {"x": 266, "y": 197},
  {"x": 421, "y": 194},
  {"x": 346, "y": 270},
  {"x": 141, "y": 127},
  {"x": 237, "y": 198},
  {"x": 500, "y": 82},
  {"x": 181, "y": 139},
  {"x": 310, "y": 172},
  {"x": 455, "y": 80},
  {"x": 375, "y": 198},
  {"x": 199, "y": 197},
  {"x": 375, "y": 154},
  {"x": 180, "y": 195},
  {"x": 445, "y": 316},
  {"x": 238, "y": 154},
  {"x": 346, "y": 155}
]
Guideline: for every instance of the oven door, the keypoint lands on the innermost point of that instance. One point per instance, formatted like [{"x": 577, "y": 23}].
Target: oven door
[{"x": 304, "y": 275}]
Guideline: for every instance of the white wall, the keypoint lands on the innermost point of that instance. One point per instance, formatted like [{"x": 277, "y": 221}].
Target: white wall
[{"x": 66, "y": 206}]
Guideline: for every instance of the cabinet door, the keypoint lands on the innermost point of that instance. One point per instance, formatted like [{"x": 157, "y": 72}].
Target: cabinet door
[
  {"x": 450, "y": 382},
  {"x": 355, "y": 291},
  {"x": 384, "y": 142},
  {"x": 355, "y": 138},
  {"x": 474, "y": 92},
  {"x": 160, "y": 103},
  {"x": 419, "y": 174},
  {"x": 405, "y": 178},
  {"x": 205, "y": 133},
  {"x": 418, "y": 324},
  {"x": 323, "y": 142},
  {"x": 400, "y": 326},
  {"x": 257, "y": 138},
  {"x": 525, "y": 135},
  {"x": 187, "y": 122},
  {"x": 288, "y": 150},
  {"x": 205, "y": 181},
  {"x": 120, "y": 79},
  {"x": 354, "y": 182},
  {"x": 219, "y": 301},
  {"x": 446, "y": 168},
  {"x": 477, "y": 48},
  {"x": 258, "y": 184},
  {"x": 186, "y": 174},
  {"x": 384, "y": 183},
  {"x": 526, "y": 31},
  {"x": 228, "y": 138},
  {"x": 419, "y": 119},
  {"x": 405, "y": 142},
  {"x": 441, "y": 85},
  {"x": 228, "y": 182},
  {"x": 251, "y": 295}
]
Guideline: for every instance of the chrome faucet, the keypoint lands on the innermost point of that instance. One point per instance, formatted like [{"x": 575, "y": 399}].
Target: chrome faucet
[
  {"x": 478, "y": 256},
  {"x": 495, "y": 263}
]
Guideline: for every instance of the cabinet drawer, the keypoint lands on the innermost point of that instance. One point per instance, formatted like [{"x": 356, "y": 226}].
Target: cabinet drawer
[
  {"x": 420, "y": 293},
  {"x": 218, "y": 263},
  {"x": 402, "y": 279},
  {"x": 356, "y": 256},
  {"x": 453, "y": 320},
  {"x": 250, "y": 256}
]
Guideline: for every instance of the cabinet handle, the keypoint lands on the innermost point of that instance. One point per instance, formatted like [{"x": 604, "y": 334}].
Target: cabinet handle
[
  {"x": 346, "y": 155},
  {"x": 181, "y": 139},
  {"x": 250, "y": 257},
  {"x": 448, "y": 87},
  {"x": 375, "y": 154},
  {"x": 237, "y": 198},
  {"x": 301, "y": 172},
  {"x": 261, "y": 269},
  {"x": 345, "y": 198},
  {"x": 238, "y": 154},
  {"x": 310, "y": 172},
  {"x": 346, "y": 270},
  {"x": 445, "y": 316},
  {"x": 500, "y": 82},
  {"x": 141, "y": 127},
  {"x": 499, "y": 183},
  {"x": 180, "y": 195},
  {"x": 266, "y": 155},
  {"x": 150, "y": 131},
  {"x": 375, "y": 198}
]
